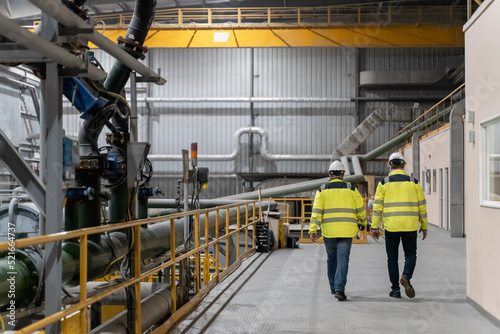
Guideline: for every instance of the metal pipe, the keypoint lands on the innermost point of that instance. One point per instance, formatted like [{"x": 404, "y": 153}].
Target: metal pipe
[
  {"x": 153, "y": 309},
  {"x": 69, "y": 19},
  {"x": 290, "y": 189},
  {"x": 204, "y": 203},
  {"x": 115, "y": 245},
  {"x": 117, "y": 298},
  {"x": 11, "y": 30},
  {"x": 264, "y": 151},
  {"x": 244, "y": 99},
  {"x": 345, "y": 162},
  {"x": 254, "y": 99}
]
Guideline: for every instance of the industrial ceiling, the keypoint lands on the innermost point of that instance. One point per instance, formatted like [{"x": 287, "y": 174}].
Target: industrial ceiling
[{"x": 24, "y": 10}]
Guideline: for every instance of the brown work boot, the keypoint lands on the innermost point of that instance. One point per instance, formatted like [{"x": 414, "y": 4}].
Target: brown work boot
[
  {"x": 340, "y": 296},
  {"x": 410, "y": 292}
]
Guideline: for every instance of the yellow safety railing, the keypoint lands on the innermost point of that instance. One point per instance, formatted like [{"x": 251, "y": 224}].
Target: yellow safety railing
[
  {"x": 208, "y": 281},
  {"x": 434, "y": 112},
  {"x": 345, "y": 14},
  {"x": 305, "y": 215}
]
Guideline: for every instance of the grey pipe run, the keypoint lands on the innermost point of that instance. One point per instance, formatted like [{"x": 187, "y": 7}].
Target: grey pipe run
[
  {"x": 116, "y": 298},
  {"x": 357, "y": 177},
  {"x": 244, "y": 99},
  {"x": 69, "y": 19},
  {"x": 153, "y": 309},
  {"x": 154, "y": 242},
  {"x": 10, "y": 29},
  {"x": 264, "y": 150},
  {"x": 155, "y": 203},
  {"x": 151, "y": 100}
]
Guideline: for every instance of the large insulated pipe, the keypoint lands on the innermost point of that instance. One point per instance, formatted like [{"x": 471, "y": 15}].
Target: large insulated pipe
[
  {"x": 119, "y": 75},
  {"x": 10, "y": 29},
  {"x": 289, "y": 189},
  {"x": 153, "y": 309},
  {"x": 154, "y": 242}
]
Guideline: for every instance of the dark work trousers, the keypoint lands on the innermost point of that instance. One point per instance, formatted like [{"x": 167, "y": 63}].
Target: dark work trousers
[{"x": 409, "y": 241}]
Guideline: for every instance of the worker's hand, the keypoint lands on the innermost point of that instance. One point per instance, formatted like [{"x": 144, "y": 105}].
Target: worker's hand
[
  {"x": 376, "y": 233},
  {"x": 424, "y": 234},
  {"x": 314, "y": 237}
]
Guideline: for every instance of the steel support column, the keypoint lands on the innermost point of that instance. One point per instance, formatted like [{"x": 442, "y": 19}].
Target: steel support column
[
  {"x": 52, "y": 108},
  {"x": 52, "y": 256}
]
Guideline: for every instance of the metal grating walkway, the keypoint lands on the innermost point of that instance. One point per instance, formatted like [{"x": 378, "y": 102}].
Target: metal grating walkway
[{"x": 286, "y": 291}]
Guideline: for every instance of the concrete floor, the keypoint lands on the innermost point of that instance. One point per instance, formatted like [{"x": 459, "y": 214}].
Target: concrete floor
[{"x": 287, "y": 291}]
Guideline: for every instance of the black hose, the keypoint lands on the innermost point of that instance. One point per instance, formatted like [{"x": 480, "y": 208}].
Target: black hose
[{"x": 144, "y": 14}]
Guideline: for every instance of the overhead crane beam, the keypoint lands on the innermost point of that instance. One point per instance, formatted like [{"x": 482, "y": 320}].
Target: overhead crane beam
[{"x": 224, "y": 36}]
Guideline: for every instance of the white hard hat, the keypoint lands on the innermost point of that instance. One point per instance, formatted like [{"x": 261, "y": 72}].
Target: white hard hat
[
  {"x": 337, "y": 165},
  {"x": 396, "y": 156}
]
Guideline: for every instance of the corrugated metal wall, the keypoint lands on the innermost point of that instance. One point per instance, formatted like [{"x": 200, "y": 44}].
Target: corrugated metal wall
[{"x": 292, "y": 128}]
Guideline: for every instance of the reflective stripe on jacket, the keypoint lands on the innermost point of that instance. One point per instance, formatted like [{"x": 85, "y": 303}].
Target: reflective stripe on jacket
[
  {"x": 401, "y": 201},
  {"x": 337, "y": 208}
]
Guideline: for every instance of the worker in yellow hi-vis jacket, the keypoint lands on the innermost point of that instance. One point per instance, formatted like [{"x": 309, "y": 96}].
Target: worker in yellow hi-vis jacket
[
  {"x": 401, "y": 201},
  {"x": 337, "y": 208}
]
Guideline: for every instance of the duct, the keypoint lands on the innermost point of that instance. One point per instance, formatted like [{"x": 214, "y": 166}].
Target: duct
[
  {"x": 345, "y": 162},
  {"x": 69, "y": 19},
  {"x": 366, "y": 128},
  {"x": 415, "y": 146},
  {"x": 11, "y": 30},
  {"x": 356, "y": 165},
  {"x": 411, "y": 78},
  {"x": 264, "y": 151}
]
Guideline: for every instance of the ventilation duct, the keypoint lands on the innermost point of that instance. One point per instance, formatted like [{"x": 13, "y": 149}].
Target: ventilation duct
[{"x": 438, "y": 75}]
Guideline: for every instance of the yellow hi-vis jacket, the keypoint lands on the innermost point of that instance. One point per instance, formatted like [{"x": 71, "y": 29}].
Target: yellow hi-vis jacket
[
  {"x": 337, "y": 207},
  {"x": 402, "y": 202}
]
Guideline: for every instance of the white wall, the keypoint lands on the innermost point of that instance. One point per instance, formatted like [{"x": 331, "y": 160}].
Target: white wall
[
  {"x": 435, "y": 156},
  {"x": 483, "y": 97}
]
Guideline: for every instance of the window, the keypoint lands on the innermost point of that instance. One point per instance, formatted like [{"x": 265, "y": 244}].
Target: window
[{"x": 490, "y": 161}]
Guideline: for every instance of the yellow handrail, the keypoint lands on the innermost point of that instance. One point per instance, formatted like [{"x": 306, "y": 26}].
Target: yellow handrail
[
  {"x": 344, "y": 14},
  {"x": 138, "y": 276}
]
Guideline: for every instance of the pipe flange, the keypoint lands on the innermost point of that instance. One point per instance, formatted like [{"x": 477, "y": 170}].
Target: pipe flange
[{"x": 129, "y": 45}]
